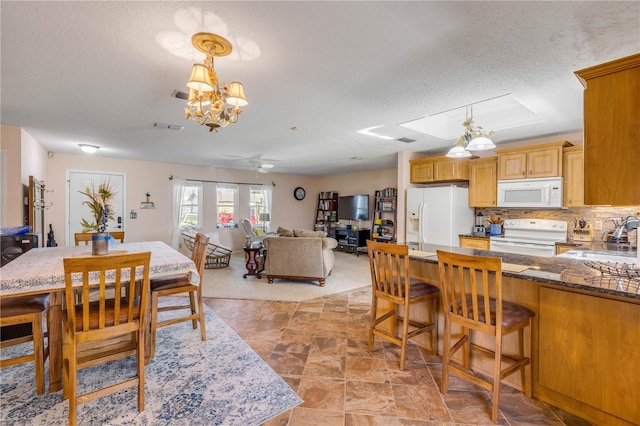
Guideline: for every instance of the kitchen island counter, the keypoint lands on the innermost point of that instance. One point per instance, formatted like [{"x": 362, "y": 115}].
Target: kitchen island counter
[
  {"x": 584, "y": 336},
  {"x": 562, "y": 272}
]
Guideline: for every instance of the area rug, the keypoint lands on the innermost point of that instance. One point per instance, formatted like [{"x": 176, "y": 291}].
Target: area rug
[
  {"x": 189, "y": 382},
  {"x": 349, "y": 272}
]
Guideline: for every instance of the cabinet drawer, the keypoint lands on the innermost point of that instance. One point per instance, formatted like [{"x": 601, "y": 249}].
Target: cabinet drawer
[{"x": 475, "y": 243}]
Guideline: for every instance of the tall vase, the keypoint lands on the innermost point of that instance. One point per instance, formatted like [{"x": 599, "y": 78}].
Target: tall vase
[{"x": 100, "y": 244}]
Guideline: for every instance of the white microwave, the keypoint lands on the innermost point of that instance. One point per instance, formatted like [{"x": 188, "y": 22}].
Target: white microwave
[{"x": 538, "y": 193}]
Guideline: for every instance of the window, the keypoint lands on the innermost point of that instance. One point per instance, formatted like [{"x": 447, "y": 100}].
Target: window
[
  {"x": 227, "y": 199},
  {"x": 190, "y": 206},
  {"x": 260, "y": 205}
]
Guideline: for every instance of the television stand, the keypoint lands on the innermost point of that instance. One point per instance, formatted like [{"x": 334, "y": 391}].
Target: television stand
[{"x": 350, "y": 239}]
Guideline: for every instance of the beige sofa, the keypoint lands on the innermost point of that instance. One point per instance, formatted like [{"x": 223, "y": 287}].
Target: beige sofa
[{"x": 299, "y": 258}]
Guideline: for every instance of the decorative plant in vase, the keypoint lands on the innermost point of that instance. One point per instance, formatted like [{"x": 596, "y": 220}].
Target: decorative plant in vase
[{"x": 100, "y": 204}]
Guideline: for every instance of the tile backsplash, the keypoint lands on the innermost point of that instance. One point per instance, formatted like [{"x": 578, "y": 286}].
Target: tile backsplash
[{"x": 590, "y": 214}]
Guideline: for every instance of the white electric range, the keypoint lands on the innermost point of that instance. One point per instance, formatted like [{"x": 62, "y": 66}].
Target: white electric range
[{"x": 533, "y": 237}]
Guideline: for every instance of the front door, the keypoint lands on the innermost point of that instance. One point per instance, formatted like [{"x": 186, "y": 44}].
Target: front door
[{"x": 80, "y": 181}]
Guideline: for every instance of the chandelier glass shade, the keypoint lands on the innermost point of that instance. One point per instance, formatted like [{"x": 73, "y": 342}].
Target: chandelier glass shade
[
  {"x": 475, "y": 138},
  {"x": 209, "y": 102}
]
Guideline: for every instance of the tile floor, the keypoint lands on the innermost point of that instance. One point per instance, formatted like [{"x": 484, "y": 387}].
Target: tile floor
[{"x": 319, "y": 347}]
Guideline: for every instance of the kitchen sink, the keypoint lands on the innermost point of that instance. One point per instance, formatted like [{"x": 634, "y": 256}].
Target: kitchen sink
[{"x": 596, "y": 256}]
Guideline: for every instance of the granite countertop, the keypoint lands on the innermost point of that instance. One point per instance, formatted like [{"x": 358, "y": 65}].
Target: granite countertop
[{"x": 562, "y": 272}]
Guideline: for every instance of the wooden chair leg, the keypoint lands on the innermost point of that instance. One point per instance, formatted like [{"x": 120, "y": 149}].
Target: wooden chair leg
[
  {"x": 466, "y": 349},
  {"x": 38, "y": 352},
  {"x": 446, "y": 356},
  {"x": 405, "y": 332},
  {"x": 203, "y": 331},
  {"x": 140, "y": 368},
  {"x": 495, "y": 404},
  {"x": 192, "y": 302},
  {"x": 154, "y": 322},
  {"x": 72, "y": 385},
  {"x": 526, "y": 384}
]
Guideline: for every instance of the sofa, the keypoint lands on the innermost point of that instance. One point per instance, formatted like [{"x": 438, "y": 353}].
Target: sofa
[{"x": 307, "y": 256}]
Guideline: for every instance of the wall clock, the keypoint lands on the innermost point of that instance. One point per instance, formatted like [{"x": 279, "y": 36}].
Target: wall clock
[{"x": 299, "y": 193}]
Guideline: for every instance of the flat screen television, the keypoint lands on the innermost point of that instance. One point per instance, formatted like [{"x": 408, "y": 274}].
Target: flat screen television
[{"x": 353, "y": 207}]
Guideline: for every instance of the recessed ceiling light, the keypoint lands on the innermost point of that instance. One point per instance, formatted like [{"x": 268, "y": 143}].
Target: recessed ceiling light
[{"x": 89, "y": 149}]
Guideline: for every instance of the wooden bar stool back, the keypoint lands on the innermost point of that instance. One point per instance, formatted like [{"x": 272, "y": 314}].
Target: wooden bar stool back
[
  {"x": 472, "y": 296},
  {"x": 21, "y": 321},
  {"x": 95, "y": 332},
  {"x": 169, "y": 286},
  {"x": 391, "y": 282}
]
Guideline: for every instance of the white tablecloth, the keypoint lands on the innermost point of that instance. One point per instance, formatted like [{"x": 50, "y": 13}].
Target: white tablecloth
[{"x": 41, "y": 270}]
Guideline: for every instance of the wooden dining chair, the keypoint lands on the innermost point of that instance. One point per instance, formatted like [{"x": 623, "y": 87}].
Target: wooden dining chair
[
  {"x": 172, "y": 285},
  {"x": 86, "y": 237},
  {"x": 105, "y": 329},
  {"x": 392, "y": 283},
  {"x": 21, "y": 321},
  {"x": 472, "y": 297}
]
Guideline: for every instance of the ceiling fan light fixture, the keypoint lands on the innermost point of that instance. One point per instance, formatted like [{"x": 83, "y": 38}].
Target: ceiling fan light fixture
[{"x": 211, "y": 103}]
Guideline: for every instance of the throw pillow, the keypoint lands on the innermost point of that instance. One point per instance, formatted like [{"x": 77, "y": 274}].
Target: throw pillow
[
  {"x": 258, "y": 232},
  {"x": 283, "y": 232},
  {"x": 307, "y": 233}
]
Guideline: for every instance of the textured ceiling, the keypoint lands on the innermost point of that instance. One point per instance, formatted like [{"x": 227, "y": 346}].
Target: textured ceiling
[{"x": 103, "y": 73}]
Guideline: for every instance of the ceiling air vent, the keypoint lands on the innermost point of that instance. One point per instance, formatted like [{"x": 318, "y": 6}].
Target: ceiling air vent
[
  {"x": 406, "y": 140},
  {"x": 180, "y": 95}
]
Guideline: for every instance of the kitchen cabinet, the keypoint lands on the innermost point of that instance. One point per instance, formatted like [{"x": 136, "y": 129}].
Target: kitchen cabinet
[
  {"x": 573, "y": 174},
  {"x": 439, "y": 169},
  {"x": 612, "y": 132},
  {"x": 589, "y": 352},
  {"x": 483, "y": 182},
  {"x": 480, "y": 243},
  {"x": 531, "y": 162}
]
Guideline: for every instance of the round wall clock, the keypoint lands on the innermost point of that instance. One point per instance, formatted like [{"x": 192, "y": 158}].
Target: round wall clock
[{"x": 299, "y": 193}]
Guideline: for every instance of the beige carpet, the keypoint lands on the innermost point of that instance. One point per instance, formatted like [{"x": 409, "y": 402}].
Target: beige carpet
[{"x": 349, "y": 272}]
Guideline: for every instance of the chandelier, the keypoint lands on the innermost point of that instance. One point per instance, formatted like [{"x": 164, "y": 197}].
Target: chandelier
[
  {"x": 475, "y": 138},
  {"x": 211, "y": 103}
]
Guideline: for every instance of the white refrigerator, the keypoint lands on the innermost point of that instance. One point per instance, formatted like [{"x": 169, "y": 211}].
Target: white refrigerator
[{"x": 437, "y": 215}]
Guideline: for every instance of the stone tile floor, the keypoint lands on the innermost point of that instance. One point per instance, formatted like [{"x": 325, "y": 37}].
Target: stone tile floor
[{"x": 319, "y": 347}]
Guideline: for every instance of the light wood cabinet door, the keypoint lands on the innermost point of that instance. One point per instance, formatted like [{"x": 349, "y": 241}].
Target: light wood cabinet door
[
  {"x": 445, "y": 170},
  {"x": 544, "y": 163},
  {"x": 573, "y": 171},
  {"x": 483, "y": 183},
  {"x": 475, "y": 243},
  {"x": 605, "y": 374},
  {"x": 421, "y": 172},
  {"x": 512, "y": 166},
  {"x": 612, "y": 132}
]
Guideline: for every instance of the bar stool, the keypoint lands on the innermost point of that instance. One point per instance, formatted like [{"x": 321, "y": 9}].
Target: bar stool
[
  {"x": 391, "y": 282},
  {"x": 466, "y": 282}
]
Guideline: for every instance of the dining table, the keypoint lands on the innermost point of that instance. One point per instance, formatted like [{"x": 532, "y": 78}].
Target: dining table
[{"x": 41, "y": 271}]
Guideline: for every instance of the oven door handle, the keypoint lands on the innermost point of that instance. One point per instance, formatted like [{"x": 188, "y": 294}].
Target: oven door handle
[{"x": 519, "y": 244}]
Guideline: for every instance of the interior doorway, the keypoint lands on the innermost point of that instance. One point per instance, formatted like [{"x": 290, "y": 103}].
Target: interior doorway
[{"x": 79, "y": 181}]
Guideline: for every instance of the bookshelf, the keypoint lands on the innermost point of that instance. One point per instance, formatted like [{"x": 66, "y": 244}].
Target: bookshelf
[
  {"x": 327, "y": 210},
  {"x": 383, "y": 226}
]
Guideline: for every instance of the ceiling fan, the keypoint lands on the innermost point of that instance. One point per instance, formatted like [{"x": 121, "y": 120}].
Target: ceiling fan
[{"x": 262, "y": 165}]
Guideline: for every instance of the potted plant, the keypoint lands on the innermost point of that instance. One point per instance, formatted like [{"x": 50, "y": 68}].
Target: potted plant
[{"x": 100, "y": 204}]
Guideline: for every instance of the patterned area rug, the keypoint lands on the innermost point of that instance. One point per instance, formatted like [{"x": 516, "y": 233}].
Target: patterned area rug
[{"x": 218, "y": 382}]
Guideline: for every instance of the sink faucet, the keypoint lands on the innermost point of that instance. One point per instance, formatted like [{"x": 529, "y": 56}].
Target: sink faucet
[{"x": 631, "y": 222}]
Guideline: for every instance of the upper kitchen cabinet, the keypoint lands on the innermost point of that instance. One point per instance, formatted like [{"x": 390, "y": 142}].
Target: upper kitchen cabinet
[
  {"x": 439, "y": 169},
  {"x": 573, "y": 177},
  {"x": 483, "y": 183},
  {"x": 531, "y": 162},
  {"x": 612, "y": 132}
]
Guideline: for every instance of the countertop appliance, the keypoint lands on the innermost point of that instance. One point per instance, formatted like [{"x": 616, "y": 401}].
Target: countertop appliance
[
  {"x": 13, "y": 246},
  {"x": 542, "y": 193},
  {"x": 437, "y": 215},
  {"x": 533, "y": 237}
]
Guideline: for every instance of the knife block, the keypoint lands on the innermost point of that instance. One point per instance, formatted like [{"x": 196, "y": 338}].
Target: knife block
[{"x": 582, "y": 234}]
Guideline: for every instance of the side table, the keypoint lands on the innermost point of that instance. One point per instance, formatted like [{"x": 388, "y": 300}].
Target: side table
[{"x": 255, "y": 261}]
